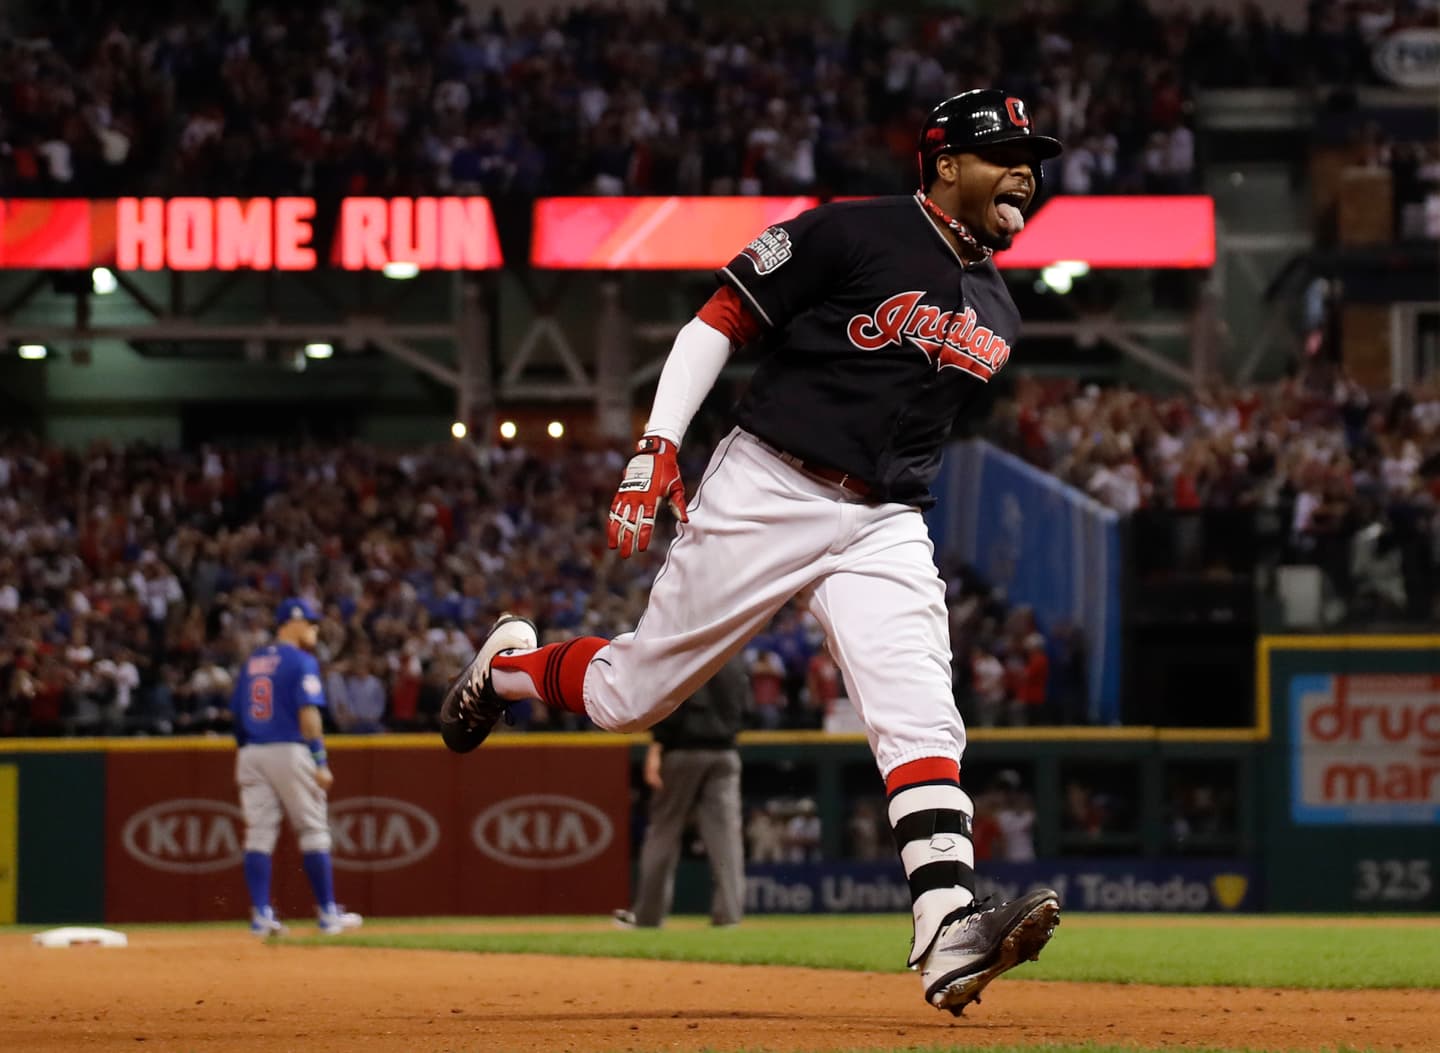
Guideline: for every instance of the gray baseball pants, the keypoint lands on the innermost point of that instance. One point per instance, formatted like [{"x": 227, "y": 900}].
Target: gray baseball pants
[{"x": 705, "y": 783}]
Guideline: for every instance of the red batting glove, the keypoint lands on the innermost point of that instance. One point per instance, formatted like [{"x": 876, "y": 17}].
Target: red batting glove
[{"x": 651, "y": 475}]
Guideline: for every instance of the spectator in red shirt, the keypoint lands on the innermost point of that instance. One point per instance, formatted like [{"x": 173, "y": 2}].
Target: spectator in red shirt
[
  {"x": 406, "y": 678},
  {"x": 767, "y": 686},
  {"x": 48, "y": 698},
  {"x": 822, "y": 683},
  {"x": 1032, "y": 684},
  {"x": 984, "y": 830}
]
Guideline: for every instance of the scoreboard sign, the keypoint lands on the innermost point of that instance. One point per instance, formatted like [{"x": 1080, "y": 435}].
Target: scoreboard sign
[
  {"x": 226, "y": 234},
  {"x": 701, "y": 233},
  {"x": 570, "y": 233}
]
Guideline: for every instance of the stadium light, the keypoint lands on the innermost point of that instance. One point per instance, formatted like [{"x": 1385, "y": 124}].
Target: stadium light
[
  {"x": 400, "y": 270},
  {"x": 32, "y": 352},
  {"x": 459, "y": 430},
  {"x": 1060, "y": 275},
  {"x": 508, "y": 430},
  {"x": 555, "y": 429},
  {"x": 319, "y": 350},
  {"x": 1058, "y": 279},
  {"x": 102, "y": 281}
]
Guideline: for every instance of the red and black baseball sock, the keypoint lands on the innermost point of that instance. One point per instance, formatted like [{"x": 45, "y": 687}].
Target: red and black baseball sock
[
  {"x": 931, "y": 815},
  {"x": 555, "y": 673}
]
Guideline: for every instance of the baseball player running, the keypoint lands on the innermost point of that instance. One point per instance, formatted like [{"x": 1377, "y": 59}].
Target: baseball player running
[
  {"x": 281, "y": 764},
  {"x": 879, "y": 321}
]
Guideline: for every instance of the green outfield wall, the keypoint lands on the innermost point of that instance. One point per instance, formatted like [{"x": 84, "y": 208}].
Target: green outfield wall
[
  {"x": 52, "y": 829},
  {"x": 1329, "y": 801}
]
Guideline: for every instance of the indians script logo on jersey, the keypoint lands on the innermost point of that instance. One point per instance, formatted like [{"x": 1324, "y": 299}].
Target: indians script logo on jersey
[
  {"x": 950, "y": 339},
  {"x": 769, "y": 251}
]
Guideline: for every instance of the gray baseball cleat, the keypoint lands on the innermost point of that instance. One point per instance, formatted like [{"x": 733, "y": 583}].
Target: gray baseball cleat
[
  {"x": 471, "y": 708},
  {"x": 979, "y": 945}
]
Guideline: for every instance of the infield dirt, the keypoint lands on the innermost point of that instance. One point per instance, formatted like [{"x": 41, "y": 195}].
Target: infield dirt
[{"x": 221, "y": 990}]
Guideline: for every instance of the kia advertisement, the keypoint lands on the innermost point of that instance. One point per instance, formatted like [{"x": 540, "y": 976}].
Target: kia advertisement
[
  {"x": 1125, "y": 885},
  {"x": 188, "y": 835},
  {"x": 1366, "y": 749},
  {"x": 542, "y": 831},
  {"x": 516, "y": 830},
  {"x": 380, "y": 833}
]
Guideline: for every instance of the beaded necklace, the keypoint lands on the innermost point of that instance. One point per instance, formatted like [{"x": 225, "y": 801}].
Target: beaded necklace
[{"x": 956, "y": 227}]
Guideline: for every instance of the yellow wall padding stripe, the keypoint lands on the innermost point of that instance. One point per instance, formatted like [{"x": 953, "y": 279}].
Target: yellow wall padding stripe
[{"x": 9, "y": 841}]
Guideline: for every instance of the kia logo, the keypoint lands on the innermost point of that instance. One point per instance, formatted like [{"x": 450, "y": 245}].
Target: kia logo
[
  {"x": 191, "y": 835},
  {"x": 380, "y": 833},
  {"x": 542, "y": 831}
]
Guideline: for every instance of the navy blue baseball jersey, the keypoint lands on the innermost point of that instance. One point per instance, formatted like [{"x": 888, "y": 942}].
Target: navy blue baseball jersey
[
  {"x": 878, "y": 336},
  {"x": 274, "y": 683}
]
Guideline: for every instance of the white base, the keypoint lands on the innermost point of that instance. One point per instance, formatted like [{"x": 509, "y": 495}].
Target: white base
[{"x": 80, "y": 936}]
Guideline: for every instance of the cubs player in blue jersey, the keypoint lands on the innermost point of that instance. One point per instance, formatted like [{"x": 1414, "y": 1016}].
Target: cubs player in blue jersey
[{"x": 281, "y": 766}]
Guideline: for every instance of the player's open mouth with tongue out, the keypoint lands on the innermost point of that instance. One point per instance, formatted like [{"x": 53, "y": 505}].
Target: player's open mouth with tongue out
[
  {"x": 1010, "y": 210},
  {"x": 1004, "y": 185}
]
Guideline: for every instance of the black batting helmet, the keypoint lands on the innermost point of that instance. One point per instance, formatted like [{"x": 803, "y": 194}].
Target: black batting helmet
[{"x": 983, "y": 117}]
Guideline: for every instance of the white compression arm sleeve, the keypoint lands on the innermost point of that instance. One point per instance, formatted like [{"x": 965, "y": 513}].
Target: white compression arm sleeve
[{"x": 695, "y": 360}]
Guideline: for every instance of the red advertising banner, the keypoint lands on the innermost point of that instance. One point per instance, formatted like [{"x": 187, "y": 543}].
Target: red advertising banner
[
  {"x": 702, "y": 233},
  {"x": 1117, "y": 232},
  {"x": 515, "y": 830},
  {"x": 224, "y": 234},
  {"x": 651, "y": 233}
]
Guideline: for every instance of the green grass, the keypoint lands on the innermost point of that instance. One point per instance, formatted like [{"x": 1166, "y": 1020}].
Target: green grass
[
  {"x": 1065, "y": 1048},
  {"x": 1068, "y": 1048},
  {"x": 1227, "y": 952}
]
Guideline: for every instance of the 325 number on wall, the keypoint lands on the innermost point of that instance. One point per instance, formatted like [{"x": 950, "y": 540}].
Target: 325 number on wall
[{"x": 1393, "y": 880}]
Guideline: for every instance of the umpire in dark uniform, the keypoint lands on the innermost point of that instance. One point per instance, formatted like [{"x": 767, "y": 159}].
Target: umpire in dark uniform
[{"x": 693, "y": 768}]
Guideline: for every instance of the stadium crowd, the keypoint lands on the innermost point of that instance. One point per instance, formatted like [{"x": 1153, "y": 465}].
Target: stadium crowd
[
  {"x": 134, "y": 580},
  {"x": 1355, "y": 477},
  {"x": 1316, "y": 430},
  {"x": 132, "y": 567},
  {"x": 401, "y": 98}
]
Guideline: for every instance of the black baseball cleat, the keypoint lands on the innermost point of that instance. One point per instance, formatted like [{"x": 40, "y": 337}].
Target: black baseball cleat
[
  {"x": 979, "y": 945},
  {"x": 471, "y": 708}
]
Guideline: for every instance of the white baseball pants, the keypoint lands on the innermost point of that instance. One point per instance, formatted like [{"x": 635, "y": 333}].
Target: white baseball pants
[{"x": 760, "y": 533}]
